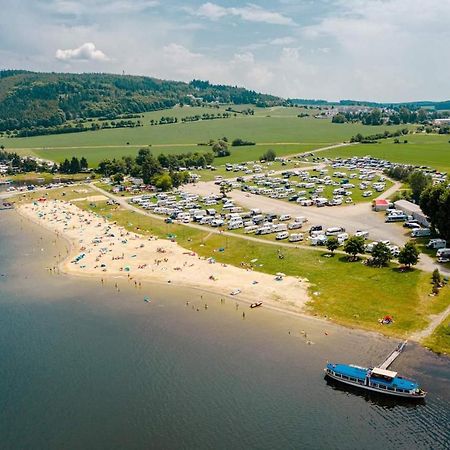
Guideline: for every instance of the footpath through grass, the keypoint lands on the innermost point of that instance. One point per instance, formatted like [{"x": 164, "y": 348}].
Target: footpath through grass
[{"x": 439, "y": 341}]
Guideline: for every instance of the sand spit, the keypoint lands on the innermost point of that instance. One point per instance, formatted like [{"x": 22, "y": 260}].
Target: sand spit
[{"x": 101, "y": 248}]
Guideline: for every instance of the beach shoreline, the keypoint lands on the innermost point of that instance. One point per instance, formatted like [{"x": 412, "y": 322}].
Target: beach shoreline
[{"x": 208, "y": 277}]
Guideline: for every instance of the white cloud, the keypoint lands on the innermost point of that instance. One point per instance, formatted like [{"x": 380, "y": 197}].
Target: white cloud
[
  {"x": 86, "y": 52},
  {"x": 89, "y": 7},
  {"x": 250, "y": 13},
  {"x": 282, "y": 41}
]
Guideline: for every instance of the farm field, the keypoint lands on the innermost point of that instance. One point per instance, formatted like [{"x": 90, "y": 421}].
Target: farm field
[
  {"x": 279, "y": 129},
  {"x": 421, "y": 149}
]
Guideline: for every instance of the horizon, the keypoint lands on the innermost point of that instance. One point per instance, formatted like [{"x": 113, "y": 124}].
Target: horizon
[
  {"x": 329, "y": 101},
  {"x": 327, "y": 49}
]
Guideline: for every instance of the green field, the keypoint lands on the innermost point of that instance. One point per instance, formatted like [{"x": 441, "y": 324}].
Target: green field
[
  {"x": 269, "y": 128},
  {"x": 421, "y": 149}
]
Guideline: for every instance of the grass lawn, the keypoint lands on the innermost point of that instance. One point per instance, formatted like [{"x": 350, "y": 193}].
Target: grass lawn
[
  {"x": 47, "y": 177},
  {"x": 347, "y": 293},
  {"x": 439, "y": 341},
  {"x": 268, "y": 127},
  {"x": 421, "y": 149}
]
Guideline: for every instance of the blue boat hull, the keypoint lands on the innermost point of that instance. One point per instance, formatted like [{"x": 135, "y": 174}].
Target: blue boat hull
[{"x": 373, "y": 389}]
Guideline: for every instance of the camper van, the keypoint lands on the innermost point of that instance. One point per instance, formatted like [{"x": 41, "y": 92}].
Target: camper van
[
  {"x": 235, "y": 224},
  {"x": 437, "y": 243},
  {"x": 265, "y": 229},
  {"x": 296, "y": 237},
  {"x": 443, "y": 253},
  {"x": 282, "y": 235},
  {"x": 396, "y": 218},
  {"x": 279, "y": 227},
  {"x": 294, "y": 225},
  {"x": 251, "y": 229},
  {"x": 321, "y": 239},
  {"x": 420, "y": 232},
  {"x": 334, "y": 231}
]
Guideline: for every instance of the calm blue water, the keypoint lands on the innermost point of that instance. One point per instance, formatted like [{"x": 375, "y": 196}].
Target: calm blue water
[{"x": 83, "y": 366}]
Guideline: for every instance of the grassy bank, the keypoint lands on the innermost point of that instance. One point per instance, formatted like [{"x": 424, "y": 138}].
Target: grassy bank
[{"x": 439, "y": 341}]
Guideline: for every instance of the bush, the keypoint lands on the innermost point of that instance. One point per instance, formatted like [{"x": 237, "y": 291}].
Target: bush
[
  {"x": 270, "y": 155},
  {"x": 238, "y": 142}
]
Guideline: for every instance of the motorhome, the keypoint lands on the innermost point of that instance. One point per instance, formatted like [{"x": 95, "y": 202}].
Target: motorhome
[
  {"x": 265, "y": 229},
  {"x": 321, "y": 239},
  {"x": 437, "y": 243},
  {"x": 294, "y": 225},
  {"x": 334, "y": 231},
  {"x": 276, "y": 228},
  {"x": 396, "y": 218},
  {"x": 443, "y": 253},
  {"x": 296, "y": 237},
  {"x": 420, "y": 232}
]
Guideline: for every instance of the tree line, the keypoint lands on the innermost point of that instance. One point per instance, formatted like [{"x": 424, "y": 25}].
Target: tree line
[
  {"x": 28, "y": 164},
  {"x": 163, "y": 171},
  {"x": 389, "y": 116},
  {"x": 31, "y": 99},
  {"x": 372, "y": 138}
]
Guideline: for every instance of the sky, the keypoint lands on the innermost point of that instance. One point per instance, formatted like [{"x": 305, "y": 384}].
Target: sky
[{"x": 380, "y": 50}]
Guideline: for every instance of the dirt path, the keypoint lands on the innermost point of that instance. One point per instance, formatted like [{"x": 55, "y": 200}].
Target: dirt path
[{"x": 435, "y": 321}]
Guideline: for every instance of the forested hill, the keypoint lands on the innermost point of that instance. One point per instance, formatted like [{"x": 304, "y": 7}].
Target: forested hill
[{"x": 30, "y": 99}]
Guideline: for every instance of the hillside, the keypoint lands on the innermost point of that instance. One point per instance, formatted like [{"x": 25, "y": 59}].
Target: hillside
[{"x": 30, "y": 99}]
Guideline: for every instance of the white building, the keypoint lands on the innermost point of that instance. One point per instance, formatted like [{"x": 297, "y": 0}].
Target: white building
[{"x": 412, "y": 210}]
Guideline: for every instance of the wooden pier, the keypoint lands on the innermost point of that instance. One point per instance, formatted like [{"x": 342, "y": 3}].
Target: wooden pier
[{"x": 393, "y": 356}]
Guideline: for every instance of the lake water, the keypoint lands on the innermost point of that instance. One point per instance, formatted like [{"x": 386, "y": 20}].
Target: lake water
[{"x": 85, "y": 366}]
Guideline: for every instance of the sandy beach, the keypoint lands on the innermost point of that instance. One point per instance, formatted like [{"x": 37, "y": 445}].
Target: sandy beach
[{"x": 103, "y": 249}]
